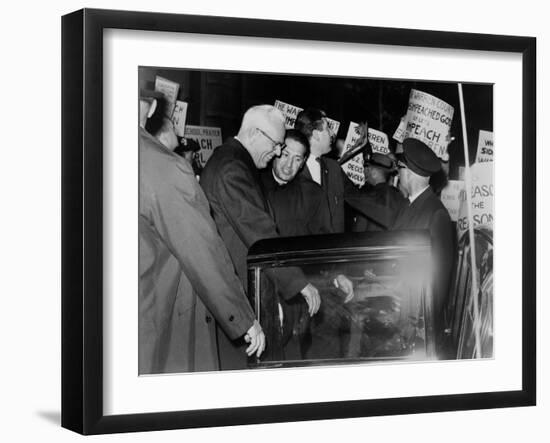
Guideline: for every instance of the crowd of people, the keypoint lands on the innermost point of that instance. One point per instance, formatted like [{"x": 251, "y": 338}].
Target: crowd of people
[{"x": 197, "y": 225}]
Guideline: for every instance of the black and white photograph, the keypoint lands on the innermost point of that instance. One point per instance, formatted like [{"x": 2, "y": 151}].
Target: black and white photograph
[
  {"x": 275, "y": 221},
  {"x": 291, "y": 220}
]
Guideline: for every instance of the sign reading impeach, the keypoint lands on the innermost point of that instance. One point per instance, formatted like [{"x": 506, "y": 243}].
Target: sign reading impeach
[
  {"x": 208, "y": 138},
  {"x": 429, "y": 120}
]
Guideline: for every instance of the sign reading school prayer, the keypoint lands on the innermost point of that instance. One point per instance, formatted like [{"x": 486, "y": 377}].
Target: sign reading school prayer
[
  {"x": 208, "y": 139},
  {"x": 429, "y": 119}
]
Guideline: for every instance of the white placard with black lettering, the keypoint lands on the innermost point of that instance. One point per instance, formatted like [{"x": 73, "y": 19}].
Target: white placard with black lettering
[
  {"x": 482, "y": 192},
  {"x": 289, "y": 111},
  {"x": 179, "y": 116},
  {"x": 208, "y": 139},
  {"x": 485, "y": 147},
  {"x": 378, "y": 141},
  {"x": 429, "y": 120},
  {"x": 354, "y": 167},
  {"x": 169, "y": 90},
  {"x": 451, "y": 197}
]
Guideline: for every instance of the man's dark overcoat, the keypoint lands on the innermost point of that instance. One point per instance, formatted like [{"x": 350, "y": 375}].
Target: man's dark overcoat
[
  {"x": 232, "y": 185},
  {"x": 427, "y": 212}
]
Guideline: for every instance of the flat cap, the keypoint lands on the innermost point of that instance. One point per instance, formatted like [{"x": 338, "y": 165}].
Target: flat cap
[{"x": 419, "y": 158}]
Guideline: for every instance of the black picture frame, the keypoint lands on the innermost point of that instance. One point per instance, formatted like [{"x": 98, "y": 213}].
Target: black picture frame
[{"x": 82, "y": 220}]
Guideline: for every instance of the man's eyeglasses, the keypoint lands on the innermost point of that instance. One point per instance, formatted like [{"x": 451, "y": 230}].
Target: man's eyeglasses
[{"x": 281, "y": 145}]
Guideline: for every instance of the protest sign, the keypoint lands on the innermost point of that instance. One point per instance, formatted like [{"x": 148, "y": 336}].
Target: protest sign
[
  {"x": 429, "y": 119},
  {"x": 208, "y": 139},
  {"x": 378, "y": 141},
  {"x": 178, "y": 117},
  {"x": 482, "y": 191},
  {"x": 289, "y": 111},
  {"x": 485, "y": 147},
  {"x": 451, "y": 196},
  {"x": 169, "y": 90},
  {"x": 333, "y": 126},
  {"x": 400, "y": 131},
  {"x": 354, "y": 167}
]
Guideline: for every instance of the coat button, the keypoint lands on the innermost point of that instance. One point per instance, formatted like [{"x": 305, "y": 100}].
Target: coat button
[
  {"x": 231, "y": 318},
  {"x": 208, "y": 319}
]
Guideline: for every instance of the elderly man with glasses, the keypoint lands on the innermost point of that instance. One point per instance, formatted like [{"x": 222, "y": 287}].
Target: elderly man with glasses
[{"x": 231, "y": 183}]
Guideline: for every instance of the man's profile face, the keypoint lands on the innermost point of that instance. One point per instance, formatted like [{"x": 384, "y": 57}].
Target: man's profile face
[
  {"x": 290, "y": 162},
  {"x": 267, "y": 144},
  {"x": 403, "y": 178},
  {"x": 322, "y": 139}
]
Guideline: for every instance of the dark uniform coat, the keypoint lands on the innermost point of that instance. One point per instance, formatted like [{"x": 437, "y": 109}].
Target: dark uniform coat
[
  {"x": 187, "y": 283},
  {"x": 427, "y": 212},
  {"x": 369, "y": 218},
  {"x": 232, "y": 184},
  {"x": 337, "y": 189}
]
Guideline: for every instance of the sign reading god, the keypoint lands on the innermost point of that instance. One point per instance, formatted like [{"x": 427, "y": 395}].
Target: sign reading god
[
  {"x": 178, "y": 117},
  {"x": 429, "y": 119},
  {"x": 482, "y": 192},
  {"x": 485, "y": 147},
  {"x": 451, "y": 196},
  {"x": 208, "y": 139},
  {"x": 169, "y": 90},
  {"x": 354, "y": 167},
  {"x": 289, "y": 111}
]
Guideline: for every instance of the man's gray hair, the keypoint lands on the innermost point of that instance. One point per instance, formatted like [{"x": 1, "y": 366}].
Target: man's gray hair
[{"x": 260, "y": 116}]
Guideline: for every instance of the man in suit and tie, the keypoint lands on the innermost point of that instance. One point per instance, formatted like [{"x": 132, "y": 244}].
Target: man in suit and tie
[{"x": 325, "y": 172}]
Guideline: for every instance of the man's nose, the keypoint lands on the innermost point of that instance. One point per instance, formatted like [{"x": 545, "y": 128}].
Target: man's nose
[{"x": 277, "y": 150}]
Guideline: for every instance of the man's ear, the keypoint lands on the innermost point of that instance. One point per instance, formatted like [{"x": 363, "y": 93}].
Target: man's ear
[
  {"x": 152, "y": 108},
  {"x": 252, "y": 134}
]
